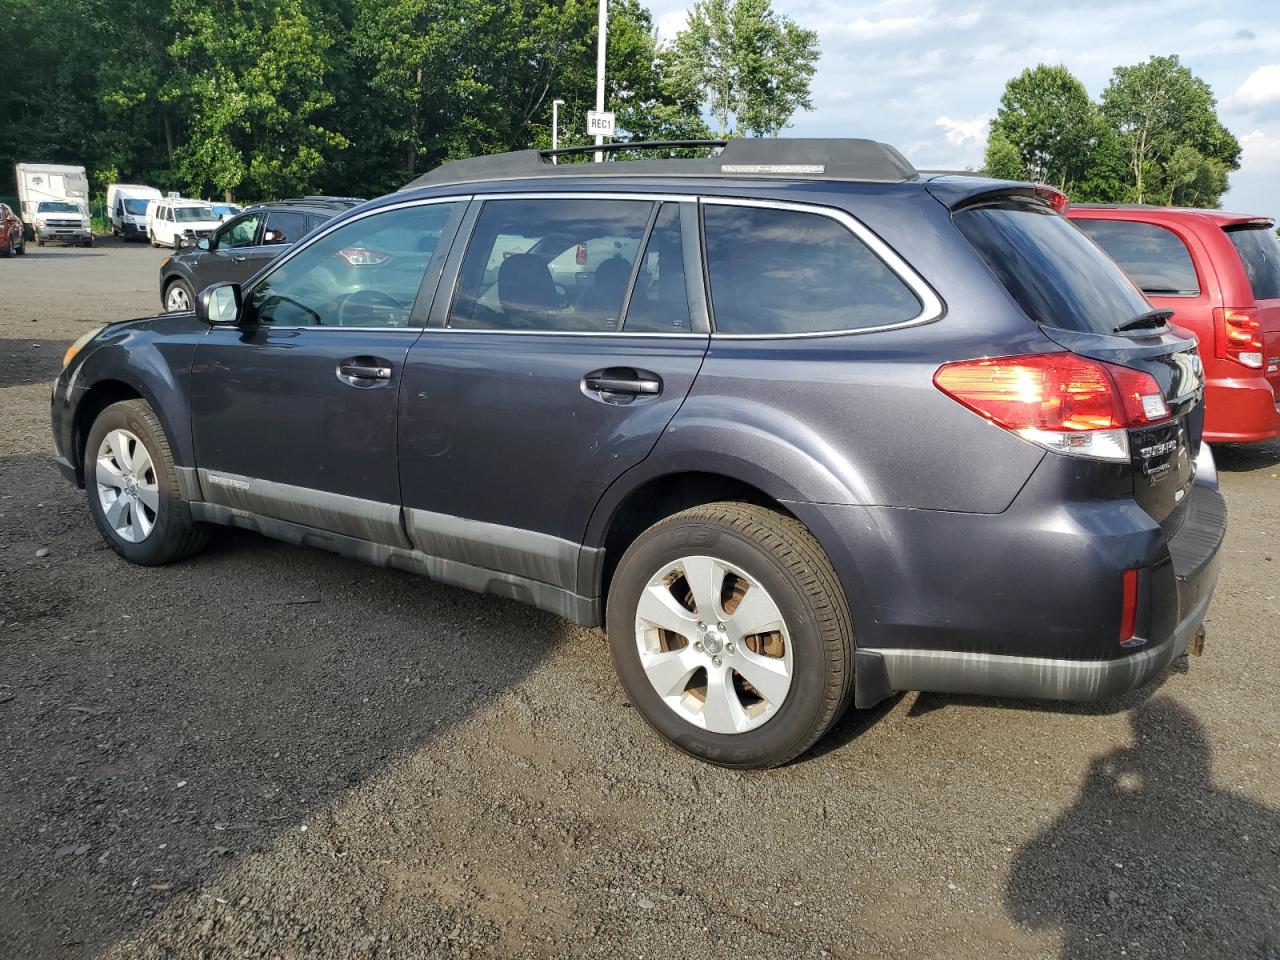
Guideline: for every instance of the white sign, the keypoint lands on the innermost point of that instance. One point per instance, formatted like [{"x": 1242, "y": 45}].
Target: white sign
[{"x": 599, "y": 124}]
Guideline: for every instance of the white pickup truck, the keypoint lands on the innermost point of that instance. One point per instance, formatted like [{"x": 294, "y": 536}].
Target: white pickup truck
[{"x": 55, "y": 203}]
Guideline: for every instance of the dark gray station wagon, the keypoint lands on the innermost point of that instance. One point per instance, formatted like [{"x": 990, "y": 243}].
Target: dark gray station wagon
[{"x": 797, "y": 423}]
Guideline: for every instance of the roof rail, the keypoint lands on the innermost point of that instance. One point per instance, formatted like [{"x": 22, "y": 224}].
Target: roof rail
[{"x": 782, "y": 158}]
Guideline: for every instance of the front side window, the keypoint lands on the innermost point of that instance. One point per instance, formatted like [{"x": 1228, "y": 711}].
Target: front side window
[
  {"x": 283, "y": 227},
  {"x": 549, "y": 264},
  {"x": 364, "y": 274},
  {"x": 239, "y": 233},
  {"x": 1260, "y": 253},
  {"x": 1153, "y": 256},
  {"x": 778, "y": 271}
]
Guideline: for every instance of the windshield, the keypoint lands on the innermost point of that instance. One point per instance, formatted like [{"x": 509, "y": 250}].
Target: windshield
[
  {"x": 1260, "y": 252},
  {"x": 1058, "y": 276},
  {"x": 56, "y": 206},
  {"x": 135, "y": 207},
  {"x": 224, "y": 208}
]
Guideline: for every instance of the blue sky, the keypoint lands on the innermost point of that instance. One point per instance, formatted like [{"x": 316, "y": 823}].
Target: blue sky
[{"x": 927, "y": 76}]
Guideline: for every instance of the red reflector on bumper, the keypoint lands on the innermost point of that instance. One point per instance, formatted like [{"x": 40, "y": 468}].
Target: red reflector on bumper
[{"x": 1129, "y": 610}]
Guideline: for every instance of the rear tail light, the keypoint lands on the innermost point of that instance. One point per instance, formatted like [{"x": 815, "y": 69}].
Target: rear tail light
[
  {"x": 1129, "y": 611},
  {"x": 581, "y": 256},
  {"x": 1237, "y": 336},
  {"x": 1053, "y": 196},
  {"x": 1063, "y": 402}
]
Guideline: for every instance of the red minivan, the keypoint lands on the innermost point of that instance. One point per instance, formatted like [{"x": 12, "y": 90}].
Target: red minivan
[{"x": 1219, "y": 273}]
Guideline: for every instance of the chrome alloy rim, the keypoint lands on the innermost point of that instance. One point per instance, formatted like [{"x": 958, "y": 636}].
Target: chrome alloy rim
[
  {"x": 714, "y": 645},
  {"x": 176, "y": 300},
  {"x": 127, "y": 488}
]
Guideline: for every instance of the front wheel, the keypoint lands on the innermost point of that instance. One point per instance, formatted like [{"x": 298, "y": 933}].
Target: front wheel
[
  {"x": 178, "y": 297},
  {"x": 132, "y": 485},
  {"x": 730, "y": 634}
]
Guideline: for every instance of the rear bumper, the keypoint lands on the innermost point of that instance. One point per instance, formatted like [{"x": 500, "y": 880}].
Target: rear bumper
[
  {"x": 1241, "y": 410},
  {"x": 1026, "y": 603}
]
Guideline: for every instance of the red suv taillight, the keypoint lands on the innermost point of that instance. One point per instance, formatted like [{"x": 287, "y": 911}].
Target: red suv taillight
[
  {"x": 1237, "y": 336},
  {"x": 1063, "y": 402}
]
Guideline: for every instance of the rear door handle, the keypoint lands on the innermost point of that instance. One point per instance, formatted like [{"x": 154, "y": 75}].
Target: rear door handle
[
  {"x": 364, "y": 371},
  {"x": 623, "y": 380}
]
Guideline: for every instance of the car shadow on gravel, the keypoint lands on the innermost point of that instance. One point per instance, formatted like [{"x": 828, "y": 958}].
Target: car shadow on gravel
[
  {"x": 30, "y": 361},
  {"x": 158, "y": 725},
  {"x": 1153, "y": 859},
  {"x": 1241, "y": 458}
]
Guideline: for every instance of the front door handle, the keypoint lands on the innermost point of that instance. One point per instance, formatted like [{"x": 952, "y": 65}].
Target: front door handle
[
  {"x": 623, "y": 380},
  {"x": 239, "y": 259},
  {"x": 364, "y": 371}
]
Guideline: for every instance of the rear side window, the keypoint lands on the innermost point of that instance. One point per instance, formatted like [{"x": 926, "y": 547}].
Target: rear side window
[
  {"x": 1153, "y": 256},
  {"x": 283, "y": 227},
  {"x": 660, "y": 300},
  {"x": 778, "y": 271},
  {"x": 1057, "y": 275},
  {"x": 559, "y": 264},
  {"x": 1260, "y": 253}
]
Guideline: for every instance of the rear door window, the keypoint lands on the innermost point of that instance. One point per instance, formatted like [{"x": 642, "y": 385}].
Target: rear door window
[
  {"x": 1154, "y": 257},
  {"x": 775, "y": 271},
  {"x": 555, "y": 264},
  {"x": 1058, "y": 276},
  {"x": 1260, "y": 253},
  {"x": 283, "y": 226},
  {"x": 660, "y": 301}
]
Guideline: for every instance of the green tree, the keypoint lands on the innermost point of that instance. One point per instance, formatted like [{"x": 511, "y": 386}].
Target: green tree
[
  {"x": 1159, "y": 106},
  {"x": 751, "y": 67},
  {"x": 1045, "y": 129}
]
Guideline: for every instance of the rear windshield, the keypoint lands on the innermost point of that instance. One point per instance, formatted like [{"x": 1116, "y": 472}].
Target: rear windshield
[
  {"x": 1260, "y": 252},
  {"x": 1153, "y": 257},
  {"x": 1058, "y": 276}
]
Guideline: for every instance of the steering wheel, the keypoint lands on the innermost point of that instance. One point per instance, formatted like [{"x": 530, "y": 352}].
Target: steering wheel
[{"x": 371, "y": 308}]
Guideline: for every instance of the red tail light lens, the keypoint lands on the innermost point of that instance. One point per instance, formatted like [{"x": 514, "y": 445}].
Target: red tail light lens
[
  {"x": 1053, "y": 196},
  {"x": 1237, "y": 336},
  {"x": 1068, "y": 403},
  {"x": 1129, "y": 610},
  {"x": 581, "y": 256}
]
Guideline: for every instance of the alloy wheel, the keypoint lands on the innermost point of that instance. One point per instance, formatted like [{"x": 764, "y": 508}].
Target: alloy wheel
[
  {"x": 127, "y": 486},
  {"x": 714, "y": 644},
  {"x": 177, "y": 300}
]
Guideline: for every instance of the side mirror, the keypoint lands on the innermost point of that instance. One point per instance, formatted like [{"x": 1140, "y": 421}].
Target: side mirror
[
  {"x": 219, "y": 305},
  {"x": 203, "y": 244}
]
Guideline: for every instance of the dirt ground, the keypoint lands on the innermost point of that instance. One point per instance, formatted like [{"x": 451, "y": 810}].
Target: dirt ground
[{"x": 273, "y": 752}]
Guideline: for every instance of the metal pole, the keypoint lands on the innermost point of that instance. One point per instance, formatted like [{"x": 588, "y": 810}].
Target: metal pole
[
  {"x": 555, "y": 127},
  {"x": 602, "y": 42}
]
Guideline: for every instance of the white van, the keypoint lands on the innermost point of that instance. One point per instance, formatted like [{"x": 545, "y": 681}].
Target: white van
[
  {"x": 55, "y": 202},
  {"x": 171, "y": 219},
  {"x": 127, "y": 209}
]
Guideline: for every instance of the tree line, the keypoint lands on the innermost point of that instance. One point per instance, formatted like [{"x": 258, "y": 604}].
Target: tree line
[
  {"x": 1153, "y": 137},
  {"x": 257, "y": 99}
]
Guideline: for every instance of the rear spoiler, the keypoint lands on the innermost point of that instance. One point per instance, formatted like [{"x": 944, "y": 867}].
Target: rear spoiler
[{"x": 957, "y": 192}]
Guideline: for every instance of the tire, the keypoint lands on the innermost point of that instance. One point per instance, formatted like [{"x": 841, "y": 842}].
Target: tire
[
  {"x": 174, "y": 293},
  {"x": 171, "y": 534},
  {"x": 152, "y": 238},
  {"x": 8, "y": 250},
  {"x": 763, "y": 550},
  {"x": 22, "y": 249}
]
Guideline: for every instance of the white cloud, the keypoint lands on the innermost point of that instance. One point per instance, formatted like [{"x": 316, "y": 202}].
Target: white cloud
[
  {"x": 882, "y": 28},
  {"x": 960, "y": 132},
  {"x": 1260, "y": 153},
  {"x": 1260, "y": 89},
  {"x": 671, "y": 23}
]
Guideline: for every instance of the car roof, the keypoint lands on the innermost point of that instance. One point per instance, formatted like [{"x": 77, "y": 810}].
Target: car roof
[
  {"x": 323, "y": 206},
  {"x": 1118, "y": 211}
]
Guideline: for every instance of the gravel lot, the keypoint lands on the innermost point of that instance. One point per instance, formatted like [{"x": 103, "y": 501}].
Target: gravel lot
[{"x": 273, "y": 752}]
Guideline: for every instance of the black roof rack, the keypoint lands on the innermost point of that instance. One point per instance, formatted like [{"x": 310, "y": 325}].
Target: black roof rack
[
  {"x": 785, "y": 158},
  {"x": 344, "y": 202}
]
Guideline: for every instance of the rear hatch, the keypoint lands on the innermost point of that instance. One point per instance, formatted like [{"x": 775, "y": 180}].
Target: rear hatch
[
  {"x": 1259, "y": 252},
  {"x": 1085, "y": 303}
]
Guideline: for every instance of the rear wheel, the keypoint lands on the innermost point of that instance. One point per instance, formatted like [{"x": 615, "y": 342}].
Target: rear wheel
[
  {"x": 132, "y": 486},
  {"x": 730, "y": 634}
]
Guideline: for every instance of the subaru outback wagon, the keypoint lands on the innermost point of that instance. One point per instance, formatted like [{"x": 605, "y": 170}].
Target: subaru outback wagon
[{"x": 796, "y": 423}]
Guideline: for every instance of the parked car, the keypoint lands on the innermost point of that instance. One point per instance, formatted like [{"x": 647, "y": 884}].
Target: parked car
[
  {"x": 817, "y": 429},
  {"x": 226, "y": 211},
  {"x": 240, "y": 247},
  {"x": 55, "y": 203},
  {"x": 1219, "y": 275},
  {"x": 173, "y": 219},
  {"x": 13, "y": 239},
  {"x": 127, "y": 208}
]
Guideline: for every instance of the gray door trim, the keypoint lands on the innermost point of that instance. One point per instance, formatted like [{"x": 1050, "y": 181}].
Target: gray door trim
[{"x": 352, "y": 516}]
